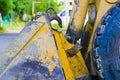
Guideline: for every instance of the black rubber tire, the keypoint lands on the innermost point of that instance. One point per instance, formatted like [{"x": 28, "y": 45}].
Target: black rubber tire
[{"x": 106, "y": 45}]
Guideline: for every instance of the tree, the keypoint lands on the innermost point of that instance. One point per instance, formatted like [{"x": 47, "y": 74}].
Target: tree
[
  {"x": 22, "y": 6},
  {"x": 25, "y": 6},
  {"x": 46, "y": 4},
  {"x": 5, "y": 7}
]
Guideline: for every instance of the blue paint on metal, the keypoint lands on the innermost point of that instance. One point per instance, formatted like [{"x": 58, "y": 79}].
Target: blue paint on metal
[
  {"x": 107, "y": 44},
  {"x": 32, "y": 70}
]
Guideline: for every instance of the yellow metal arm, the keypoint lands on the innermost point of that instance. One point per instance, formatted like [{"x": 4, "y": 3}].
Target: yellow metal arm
[{"x": 77, "y": 18}]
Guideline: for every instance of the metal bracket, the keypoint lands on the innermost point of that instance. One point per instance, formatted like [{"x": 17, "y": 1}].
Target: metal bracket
[{"x": 52, "y": 15}]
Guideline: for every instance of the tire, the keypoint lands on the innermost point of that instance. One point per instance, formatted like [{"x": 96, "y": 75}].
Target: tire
[{"x": 106, "y": 45}]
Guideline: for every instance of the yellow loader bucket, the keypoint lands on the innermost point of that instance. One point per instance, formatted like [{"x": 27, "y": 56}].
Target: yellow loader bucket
[{"x": 39, "y": 53}]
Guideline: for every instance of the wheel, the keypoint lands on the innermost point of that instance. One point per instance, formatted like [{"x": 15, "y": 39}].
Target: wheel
[{"x": 106, "y": 45}]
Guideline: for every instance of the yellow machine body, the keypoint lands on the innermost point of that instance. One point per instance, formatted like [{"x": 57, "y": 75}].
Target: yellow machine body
[
  {"x": 41, "y": 48},
  {"x": 73, "y": 66},
  {"x": 77, "y": 20},
  {"x": 41, "y": 52}
]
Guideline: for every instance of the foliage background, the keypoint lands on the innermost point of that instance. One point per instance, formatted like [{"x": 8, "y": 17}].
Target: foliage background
[{"x": 16, "y": 13}]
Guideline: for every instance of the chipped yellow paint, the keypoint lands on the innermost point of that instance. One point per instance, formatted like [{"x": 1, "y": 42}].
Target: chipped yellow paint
[
  {"x": 63, "y": 58},
  {"x": 38, "y": 49},
  {"x": 45, "y": 56},
  {"x": 26, "y": 45},
  {"x": 47, "y": 53},
  {"x": 76, "y": 62},
  {"x": 100, "y": 13},
  {"x": 78, "y": 17},
  {"x": 75, "y": 65}
]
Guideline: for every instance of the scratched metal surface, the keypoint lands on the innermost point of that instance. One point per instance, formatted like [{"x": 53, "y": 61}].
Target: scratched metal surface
[{"x": 37, "y": 61}]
